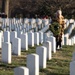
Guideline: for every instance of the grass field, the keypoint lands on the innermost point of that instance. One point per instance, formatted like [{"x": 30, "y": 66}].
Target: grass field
[{"x": 58, "y": 65}]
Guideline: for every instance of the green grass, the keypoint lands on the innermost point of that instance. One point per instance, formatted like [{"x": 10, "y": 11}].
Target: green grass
[{"x": 58, "y": 65}]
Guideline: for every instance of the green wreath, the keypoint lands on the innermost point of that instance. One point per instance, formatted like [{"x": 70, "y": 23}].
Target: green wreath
[{"x": 55, "y": 28}]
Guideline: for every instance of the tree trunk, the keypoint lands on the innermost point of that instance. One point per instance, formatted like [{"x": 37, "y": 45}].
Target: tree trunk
[{"x": 5, "y": 7}]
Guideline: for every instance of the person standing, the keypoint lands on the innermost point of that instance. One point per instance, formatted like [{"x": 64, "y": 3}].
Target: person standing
[{"x": 57, "y": 27}]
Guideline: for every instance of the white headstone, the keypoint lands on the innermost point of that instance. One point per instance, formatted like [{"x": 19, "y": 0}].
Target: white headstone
[
  {"x": 36, "y": 38},
  {"x": 20, "y": 27},
  {"x": 27, "y": 27},
  {"x": 31, "y": 39},
  {"x": 23, "y": 30},
  {"x": 6, "y": 52},
  {"x": 71, "y": 20},
  {"x": 46, "y": 36},
  {"x": 48, "y": 46},
  {"x": 73, "y": 57},
  {"x": 7, "y": 36},
  {"x": 72, "y": 68},
  {"x": 32, "y": 21},
  {"x": 21, "y": 71},
  {"x": 16, "y": 46},
  {"x": 63, "y": 39},
  {"x": 40, "y": 26},
  {"x": 45, "y": 22},
  {"x": 53, "y": 42},
  {"x": 0, "y": 40},
  {"x": 74, "y": 39},
  {"x": 13, "y": 35},
  {"x": 10, "y": 27},
  {"x": 42, "y": 52},
  {"x": 39, "y": 21},
  {"x": 19, "y": 33},
  {"x": 4, "y": 29},
  {"x": 66, "y": 40},
  {"x": 33, "y": 64},
  {"x": 24, "y": 41},
  {"x": 26, "y": 20},
  {"x": 41, "y": 37}
]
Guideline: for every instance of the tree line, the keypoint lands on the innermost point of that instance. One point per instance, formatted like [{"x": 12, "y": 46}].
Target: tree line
[{"x": 41, "y": 8}]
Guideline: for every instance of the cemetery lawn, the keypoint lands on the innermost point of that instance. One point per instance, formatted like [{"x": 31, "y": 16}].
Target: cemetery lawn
[{"x": 58, "y": 65}]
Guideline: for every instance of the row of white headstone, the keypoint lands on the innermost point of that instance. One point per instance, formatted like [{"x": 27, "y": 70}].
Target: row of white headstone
[
  {"x": 30, "y": 39},
  {"x": 18, "y": 43},
  {"x": 43, "y": 56},
  {"x": 32, "y": 60},
  {"x": 36, "y": 61},
  {"x": 23, "y": 24},
  {"x": 72, "y": 63},
  {"x": 68, "y": 22},
  {"x": 19, "y": 25},
  {"x": 30, "y": 21},
  {"x": 14, "y": 21},
  {"x": 39, "y": 52},
  {"x": 39, "y": 58},
  {"x": 21, "y": 43},
  {"x": 69, "y": 41}
]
